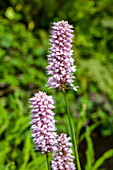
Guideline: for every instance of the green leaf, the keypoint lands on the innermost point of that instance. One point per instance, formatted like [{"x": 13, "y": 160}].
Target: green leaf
[
  {"x": 80, "y": 121},
  {"x": 10, "y": 14},
  {"x": 100, "y": 161},
  {"x": 92, "y": 128},
  {"x": 26, "y": 151},
  {"x": 90, "y": 151}
]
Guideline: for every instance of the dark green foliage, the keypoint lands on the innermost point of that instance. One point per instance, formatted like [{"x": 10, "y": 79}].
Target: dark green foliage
[{"x": 24, "y": 34}]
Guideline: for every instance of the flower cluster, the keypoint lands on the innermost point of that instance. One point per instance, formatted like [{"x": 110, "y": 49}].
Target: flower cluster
[
  {"x": 43, "y": 123},
  {"x": 60, "y": 69},
  {"x": 60, "y": 61},
  {"x": 62, "y": 154}
]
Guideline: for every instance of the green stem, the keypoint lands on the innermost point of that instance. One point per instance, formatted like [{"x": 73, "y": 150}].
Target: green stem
[
  {"x": 72, "y": 133},
  {"x": 47, "y": 159}
]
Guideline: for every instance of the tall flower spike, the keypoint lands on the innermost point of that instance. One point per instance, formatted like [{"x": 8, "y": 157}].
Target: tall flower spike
[
  {"x": 60, "y": 61},
  {"x": 43, "y": 123},
  {"x": 62, "y": 158}
]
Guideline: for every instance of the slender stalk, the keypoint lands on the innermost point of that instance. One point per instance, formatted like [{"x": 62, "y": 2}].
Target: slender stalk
[
  {"x": 72, "y": 132},
  {"x": 47, "y": 159}
]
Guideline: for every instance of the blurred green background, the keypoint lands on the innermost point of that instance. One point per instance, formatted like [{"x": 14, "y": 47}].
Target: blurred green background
[{"x": 24, "y": 34}]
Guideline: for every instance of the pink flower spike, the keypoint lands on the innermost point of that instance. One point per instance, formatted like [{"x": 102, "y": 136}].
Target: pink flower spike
[
  {"x": 62, "y": 158},
  {"x": 43, "y": 122},
  {"x": 60, "y": 62}
]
